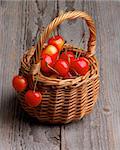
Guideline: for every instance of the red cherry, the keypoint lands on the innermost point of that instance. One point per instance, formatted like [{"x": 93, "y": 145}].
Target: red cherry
[
  {"x": 19, "y": 83},
  {"x": 68, "y": 56},
  {"x": 80, "y": 65},
  {"x": 62, "y": 67},
  {"x": 33, "y": 98},
  {"x": 57, "y": 41},
  {"x": 51, "y": 51},
  {"x": 45, "y": 62}
]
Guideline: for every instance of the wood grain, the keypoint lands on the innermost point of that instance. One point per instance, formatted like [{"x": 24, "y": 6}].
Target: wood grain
[
  {"x": 19, "y": 22},
  {"x": 100, "y": 130}
]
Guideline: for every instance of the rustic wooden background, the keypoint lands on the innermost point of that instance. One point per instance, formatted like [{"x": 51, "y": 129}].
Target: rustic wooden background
[{"x": 19, "y": 22}]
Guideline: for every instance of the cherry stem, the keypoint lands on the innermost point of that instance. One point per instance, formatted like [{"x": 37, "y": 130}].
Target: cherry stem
[
  {"x": 69, "y": 59},
  {"x": 75, "y": 72},
  {"x": 33, "y": 59},
  {"x": 52, "y": 34},
  {"x": 52, "y": 69},
  {"x": 80, "y": 52},
  {"x": 80, "y": 44},
  {"x": 35, "y": 84},
  {"x": 66, "y": 51},
  {"x": 69, "y": 74},
  {"x": 58, "y": 55}
]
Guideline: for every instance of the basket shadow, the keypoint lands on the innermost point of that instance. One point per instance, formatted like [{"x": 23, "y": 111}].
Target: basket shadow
[
  {"x": 12, "y": 112},
  {"x": 24, "y": 117}
]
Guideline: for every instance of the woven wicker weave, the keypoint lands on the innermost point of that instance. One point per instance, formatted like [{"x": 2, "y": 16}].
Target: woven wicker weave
[{"x": 63, "y": 100}]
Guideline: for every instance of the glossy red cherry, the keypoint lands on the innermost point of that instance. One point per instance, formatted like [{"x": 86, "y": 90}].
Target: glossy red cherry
[
  {"x": 33, "y": 98},
  {"x": 51, "y": 50},
  {"x": 19, "y": 83},
  {"x": 57, "y": 41},
  {"x": 80, "y": 65},
  {"x": 46, "y": 62},
  {"x": 62, "y": 67},
  {"x": 68, "y": 56}
]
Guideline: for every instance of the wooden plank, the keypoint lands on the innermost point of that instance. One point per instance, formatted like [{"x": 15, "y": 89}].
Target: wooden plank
[
  {"x": 109, "y": 40},
  {"x": 101, "y": 129},
  {"x": 19, "y": 22}
]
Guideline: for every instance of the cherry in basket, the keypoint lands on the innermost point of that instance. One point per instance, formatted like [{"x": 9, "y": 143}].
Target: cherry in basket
[
  {"x": 62, "y": 67},
  {"x": 19, "y": 83},
  {"x": 46, "y": 63},
  {"x": 68, "y": 56},
  {"x": 52, "y": 51},
  {"x": 57, "y": 41},
  {"x": 80, "y": 65}
]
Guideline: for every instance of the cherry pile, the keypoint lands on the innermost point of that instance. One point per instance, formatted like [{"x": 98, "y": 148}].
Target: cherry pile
[
  {"x": 55, "y": 63},
  {"x": 62, "y": 63}
]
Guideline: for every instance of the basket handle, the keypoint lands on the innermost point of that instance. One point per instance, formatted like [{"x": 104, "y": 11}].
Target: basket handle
[{"x": 71, "y": 15}]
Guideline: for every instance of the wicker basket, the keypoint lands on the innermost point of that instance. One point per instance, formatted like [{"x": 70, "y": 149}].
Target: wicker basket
[{"x": 63, "y": 100}]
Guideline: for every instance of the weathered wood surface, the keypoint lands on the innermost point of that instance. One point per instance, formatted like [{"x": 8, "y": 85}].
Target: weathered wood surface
[{"x": 19, "y": 22}]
